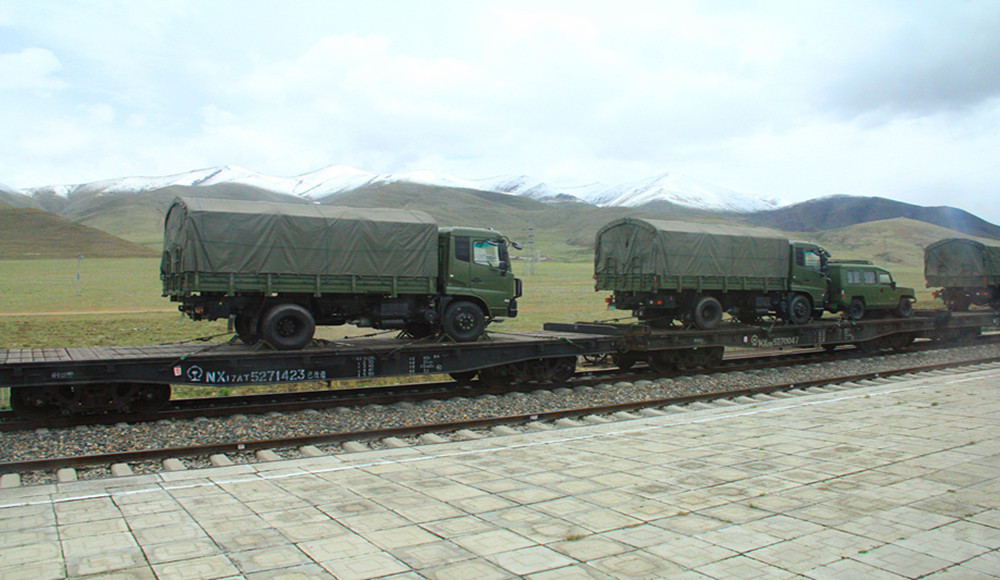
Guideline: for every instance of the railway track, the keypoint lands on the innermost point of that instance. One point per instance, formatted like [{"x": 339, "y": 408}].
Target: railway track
[{"x": 415, "y": 431}]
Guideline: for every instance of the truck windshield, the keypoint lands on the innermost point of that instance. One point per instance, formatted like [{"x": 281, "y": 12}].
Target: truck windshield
[
  {"x": 489, "y": 253},
  {"x": 811, "y": 259}
]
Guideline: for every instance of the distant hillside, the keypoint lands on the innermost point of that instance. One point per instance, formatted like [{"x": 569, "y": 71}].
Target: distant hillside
[
  {"x": 138, "y": 217},
  {"x": 843, "y": 210},
  {"x": 15, "y": 198},
  {"x": 33, "y": 233}
]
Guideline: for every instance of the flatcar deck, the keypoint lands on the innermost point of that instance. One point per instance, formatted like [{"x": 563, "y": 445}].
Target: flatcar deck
[
  {"x": 828, "y": 332},
  {"x": 240, "y": 364}
]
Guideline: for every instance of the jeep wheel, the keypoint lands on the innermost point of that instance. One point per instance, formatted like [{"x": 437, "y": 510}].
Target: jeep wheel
[
  {"x": 856, "y": 309},
  {"x": 464, "y": 321},
  {"x": 905, "y": 307},
  {"x": 287, "y": 327}
]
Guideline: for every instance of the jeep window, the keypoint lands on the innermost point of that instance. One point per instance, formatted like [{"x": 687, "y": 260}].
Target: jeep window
[
  {"x": 870, "y": 277},
  {"x": 884, "y": 279},
  {"x": 853, "y": 277},
  {"x": 486, "y": 253},
  {"x": 462, "y": 248}
]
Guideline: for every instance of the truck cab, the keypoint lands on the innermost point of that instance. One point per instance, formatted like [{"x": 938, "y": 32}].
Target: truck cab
[
  {"x": 475, "y": 269},
  {"x": 808, "y": 278},
  {"x": 858, "y": 287}
]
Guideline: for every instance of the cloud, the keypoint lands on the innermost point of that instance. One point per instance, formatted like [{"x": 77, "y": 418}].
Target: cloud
[{"x": 32, "y": 69}]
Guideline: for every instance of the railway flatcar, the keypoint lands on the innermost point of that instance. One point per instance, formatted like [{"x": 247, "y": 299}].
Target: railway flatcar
[{"x": 966, "y": 272}]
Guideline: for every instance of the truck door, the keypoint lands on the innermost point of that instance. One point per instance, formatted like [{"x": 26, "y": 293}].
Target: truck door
[
  {"x": 809, "y": 272},
  {"x": 482, "y": 268}
]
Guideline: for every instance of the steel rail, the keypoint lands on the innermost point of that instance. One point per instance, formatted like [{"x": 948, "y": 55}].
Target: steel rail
[{"x": 410, "y": 430}]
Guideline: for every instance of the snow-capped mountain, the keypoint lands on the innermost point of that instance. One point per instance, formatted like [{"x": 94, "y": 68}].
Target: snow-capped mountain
[{"x": 317, "y": 185}]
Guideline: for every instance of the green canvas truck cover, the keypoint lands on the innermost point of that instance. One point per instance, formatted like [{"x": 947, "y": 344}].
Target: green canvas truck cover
[
  {"x": 631, "y": 246},
  {"x": 254, "y": 237},
  {"x": 961, "y": 262}
]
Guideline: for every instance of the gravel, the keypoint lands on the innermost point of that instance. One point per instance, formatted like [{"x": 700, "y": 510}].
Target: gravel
[{"x": 93, "y": 439}]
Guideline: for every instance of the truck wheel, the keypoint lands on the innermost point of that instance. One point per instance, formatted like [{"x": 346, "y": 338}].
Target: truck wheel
[
  {"x": 905, "y": 308},
  {"x": 287, "y": 327},
  {"x": 464, "y": 321},
  {"x": 856, "y": 309},
  {"x": 799, "y": 309},
  {"x": 707, "y": 313}
]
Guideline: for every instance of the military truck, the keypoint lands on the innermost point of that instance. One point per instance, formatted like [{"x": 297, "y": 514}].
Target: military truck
[
  {"x": 966, "y": 272},
  {"x": 276, "y": 270},
  {"x": 859, "y": 288},
  {"x": 693, "y": 273}
]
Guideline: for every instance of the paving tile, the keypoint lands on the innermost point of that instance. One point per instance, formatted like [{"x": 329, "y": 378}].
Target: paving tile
[
  {"x": 377, "y": 565},
  {"x": 739, "y": 539},
  {"x": 690, "y": 524},
  {"x": 197, "y": 569},
  {"x": 180, "y": 550},
  {"x": 304, "y": 572},
  {"x": 492, "y": 541},
  {"x": 529, "y": 560},
  {"x": 51, "y": 570},
  {"x": 636, "y": 564},
  {"x": 27, "y": 537},
  {"x": 902, "y": 561},
  {"x": 272, "y": 558},
  {"x": 457, "y": 526},
  {"x": 744, "y": 568},
  {"x": 477, "y": 569},
  {"x": 168, "y": 534},
  {"x": 689, "y": 552},
  {"x": 411, "y": 535},
  {"x": 105, "y": 563},
  {"x": 338, "y": 547},
  {"x": 98, "y": 544},
  {"x": 432, "y": 555},
  {"x": 590, "y": 548}
]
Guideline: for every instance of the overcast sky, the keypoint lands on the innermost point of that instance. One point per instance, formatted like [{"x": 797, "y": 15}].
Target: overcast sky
[{"x": 783, "y": 99}]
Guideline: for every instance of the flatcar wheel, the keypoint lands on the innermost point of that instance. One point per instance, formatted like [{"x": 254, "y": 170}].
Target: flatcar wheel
[
  {"x": 662, "y": 361},
  {"x": 624, "y": 360},
  {"x": 562, "y": 369},
  {"x": 33, "y": 404},
  {"x": 150, "y": 398},
  {"x": 869, "y": 346},
  {"x": 496, "y": 377},
  {"x": 463, "y": 377}
]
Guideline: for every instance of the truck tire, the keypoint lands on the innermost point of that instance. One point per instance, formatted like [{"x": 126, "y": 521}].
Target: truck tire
[
  {"x": 287, "y": 327},
  {"x": 856, "y": 309},
  {"x": 463, "y": 321},
  {"x": 905, "y": 307},
  {"x": 707, "y": 313},
  {"x": 246, "y": 330},
  {"x": 799, "y": 310}
]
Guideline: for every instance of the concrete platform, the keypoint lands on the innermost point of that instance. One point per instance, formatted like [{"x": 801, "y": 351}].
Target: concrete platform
[{"x": 894, "y": 480}]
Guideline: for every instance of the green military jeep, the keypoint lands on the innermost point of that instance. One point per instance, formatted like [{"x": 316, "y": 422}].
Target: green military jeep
[{"x": 858, "y": 287}]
